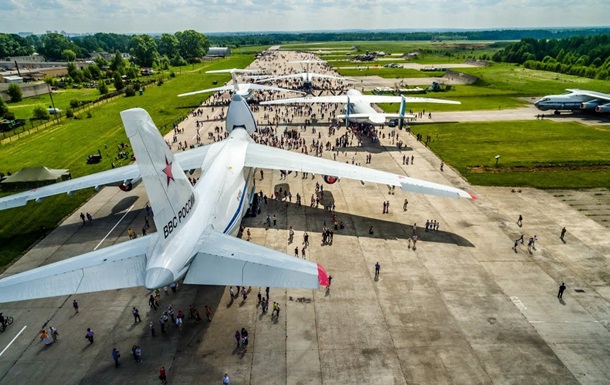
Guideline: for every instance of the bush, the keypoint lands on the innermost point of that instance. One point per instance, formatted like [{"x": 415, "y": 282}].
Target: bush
[
  {"x": 3, "y": 108},
  {"x": 74, "y": 103},
  {"x": 69, "y": 113},
  {"x": 172, "y": 74},
  {"x": 160, "y": 82},
  {"x": 14, "y": 91},
  {"x": 40, "y": 112},
  {"x": 89, "y": 116},
  {"x": 130, "y": 91}
]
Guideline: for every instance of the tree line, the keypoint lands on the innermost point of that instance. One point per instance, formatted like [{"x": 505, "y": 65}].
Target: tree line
[
  {"x": 180, "y": 48},
  {"x": 587, "y": 56}
]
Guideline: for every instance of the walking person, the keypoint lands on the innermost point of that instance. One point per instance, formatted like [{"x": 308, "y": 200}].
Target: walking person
[
  {"x": 225, "y": 379},
  {"x": 377, "y": 268},
  {"x": 75, "y": 306},
  {"x": 136, "y": 315},
  {"x": 89, "y": 335},
  {"x": 520, "y": 221},
  {"x": 151, "y": 302},
  {"x": 53, "y": 332},
  {"x": 163, "y": 375},
  {"x": 115, "y": 357},
  {"x": 562, "y": 288},
  {"x": 563, "y": 233},
  {"x": 208, "y": 313},
  {"x": 237, "y": 338}
]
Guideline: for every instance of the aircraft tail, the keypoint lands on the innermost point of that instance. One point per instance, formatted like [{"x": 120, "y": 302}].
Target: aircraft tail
[
  {"x": 170, "y": 193},
  {"x": 402, "y": 112}
]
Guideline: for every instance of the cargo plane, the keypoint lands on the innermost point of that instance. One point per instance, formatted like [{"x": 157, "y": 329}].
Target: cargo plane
[
  {"x": 194, "y": 224},
  {"x": 575, "y": 100}
]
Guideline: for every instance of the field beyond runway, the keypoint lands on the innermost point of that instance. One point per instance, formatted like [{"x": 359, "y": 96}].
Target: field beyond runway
[{"x": 463, "y": 308}]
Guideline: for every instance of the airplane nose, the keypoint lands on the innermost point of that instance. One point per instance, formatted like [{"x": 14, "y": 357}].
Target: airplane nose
[{"x": 157, "y": 277}]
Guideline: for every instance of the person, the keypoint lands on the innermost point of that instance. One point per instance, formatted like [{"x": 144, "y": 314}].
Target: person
[
  {"x": 53, "y": 332},
  {"x": 249, "y": 235},
  {"x": 371, "y": 230},
  {"x": 377, "y": 268},
  {"x": 208, "y": 313},
  {"x": 231, "y": 292},
  {"x": 82, "y": 218},
  {"x": 89, "y": 335},
  {"x": 44, "y": 336},
  {"x": 520, "y": 221},
  {"x": 163, "y": 375},
  {"x": 237, "y": 337},
  {"x": 136, "y": 315},
  {"x": 2, "y": 321},
  {"x": 442, "y": 165},
  {"x": 225, "y": 379},
  {"x": 404, "y": 205},
  {"x": 115, "y": 357},
  {"x": 562, "y": 288},
  {"x": 151, "y": 326},
  {"x": 515, "y": 245},
  {"x": 151, "y": 302},
  {"x": 563, "y": 233},
  {"x": 75, "y": 306},
  {"x": 89, "y": 218},
  {"x": 330, "y": 279}
]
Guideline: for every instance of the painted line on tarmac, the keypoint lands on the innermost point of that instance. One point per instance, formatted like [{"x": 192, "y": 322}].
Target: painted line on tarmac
[
  {"x": 114, "y": 227},
  {"x": 13, "y": 340}
]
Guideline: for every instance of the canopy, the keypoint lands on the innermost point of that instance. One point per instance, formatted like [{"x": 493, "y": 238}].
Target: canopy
[{"x": 36, "y": 174}]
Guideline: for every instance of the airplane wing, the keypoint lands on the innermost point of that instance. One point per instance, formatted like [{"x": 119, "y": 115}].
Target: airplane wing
[
  {"x": 225, "y": 260},
  {"x": 223, "y": 88},
  {"x": 592, "y": 94},
  {"x": 188, "y": 160},
  {"x": 269, "y": 88},
  {"x": 258, "y": 155},
  {"x": 364, "y": 98},
  {"x": 122, "y": 265}
]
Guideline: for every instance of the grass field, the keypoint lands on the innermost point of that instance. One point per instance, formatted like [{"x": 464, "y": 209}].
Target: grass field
[
  {"x": 66, "y": 145},
  {"x": 539, "y": 153}
]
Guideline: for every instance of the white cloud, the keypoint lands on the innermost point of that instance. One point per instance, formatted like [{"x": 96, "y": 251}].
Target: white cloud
[{"x": 142, "y": 16}]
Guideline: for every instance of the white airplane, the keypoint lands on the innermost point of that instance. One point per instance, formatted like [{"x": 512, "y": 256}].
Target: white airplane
[
  {"x": 194, "y": 224},
  {"x": 245, "y": 90},
  {"x": 306, "y": 77},
  {"x": 575, "y": 100},
  {"x": 358, "y": 106}
]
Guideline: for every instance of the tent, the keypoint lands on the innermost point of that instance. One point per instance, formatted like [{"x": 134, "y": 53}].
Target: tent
[{"x": 36, "y": 176}]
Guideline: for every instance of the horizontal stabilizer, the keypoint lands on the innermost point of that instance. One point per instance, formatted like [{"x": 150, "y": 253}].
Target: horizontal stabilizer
[
  {"x": 225, "y": 260},
  {"x": 115, "y": 267}
]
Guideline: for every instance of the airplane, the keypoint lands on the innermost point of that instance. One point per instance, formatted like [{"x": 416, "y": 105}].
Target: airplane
[
  {"x": 358, "y": 106},
  {"x": 306, "y": 77},
  {"x": 575, "y": 100},
  {"x": 194, "y": 224},
  {"x": 244, "y": 90}
]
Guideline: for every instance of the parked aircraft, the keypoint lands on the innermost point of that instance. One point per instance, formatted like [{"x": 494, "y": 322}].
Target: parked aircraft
[
  {"x": 575, "y": 100},
  {"x": 358, "y": 106},
  {"x": 245, "y": 90},
  {"x": 193, "y": 224},
  {"x": 306, "y": 77}
]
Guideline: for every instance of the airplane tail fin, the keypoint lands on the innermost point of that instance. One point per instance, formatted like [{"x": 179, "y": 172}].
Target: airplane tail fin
[
  {"x": 347, "y": 112},
  {"x": 170, "y": 193},
  {"x": 402, "y": 112}
]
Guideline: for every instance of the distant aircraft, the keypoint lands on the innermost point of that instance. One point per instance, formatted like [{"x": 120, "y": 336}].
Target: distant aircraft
[
  {"x": 575, "y": 100},
  {"x": 193, "y": 224},
  {"x": 358, "y": 106},
  {"x": 306, "y": 77},
  {"x": 245, "y": 90}
]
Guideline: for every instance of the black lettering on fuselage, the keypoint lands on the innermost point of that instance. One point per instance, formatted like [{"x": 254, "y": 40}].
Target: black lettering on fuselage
[{"x": 181, "y": 216}]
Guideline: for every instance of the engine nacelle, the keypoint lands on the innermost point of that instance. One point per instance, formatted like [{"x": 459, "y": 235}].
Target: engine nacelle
[
  {"x": 590, "y": 105},
  {"x": 330, "y": 179},
  {"x": 129, "y": 185},
  {"x": 603, "y": 108}
]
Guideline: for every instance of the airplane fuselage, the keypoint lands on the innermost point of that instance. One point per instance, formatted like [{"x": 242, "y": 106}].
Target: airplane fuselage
[
  {"x": 570, "y": 102},
  {"x": 220, "y": 200}
]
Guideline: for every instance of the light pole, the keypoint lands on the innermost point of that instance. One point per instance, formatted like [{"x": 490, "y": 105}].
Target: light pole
[{"x": 497, "y": 159}]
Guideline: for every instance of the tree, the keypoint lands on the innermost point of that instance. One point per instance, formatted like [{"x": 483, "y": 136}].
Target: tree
[
  {"x": 14, "y": 91},
  {"x": 118, "y": 81},
  {"x": 3, "y": 108},
  {"x": 40, "y": 112},
  {"x": 68, "y": 55},
  {"x": 117, "y": 63},
  {"x": 192, "y": 44},
  {"x": 144, "y": 50},
  {"x": 168, "y": 45},
  {"x": 95, "y": 71},
  {"x": 102, "y": 87},
  {"x": 52, "y": 45}
]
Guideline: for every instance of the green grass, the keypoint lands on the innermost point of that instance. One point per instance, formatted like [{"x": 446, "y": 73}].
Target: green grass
[
  {"x": 539, "y": 153},
  {"x": 24, "y": 109},
  {"x": 66, "y": 145}
]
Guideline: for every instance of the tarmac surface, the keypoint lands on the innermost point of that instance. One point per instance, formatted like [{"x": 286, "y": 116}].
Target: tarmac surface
[{"x": 460, "y": 308}]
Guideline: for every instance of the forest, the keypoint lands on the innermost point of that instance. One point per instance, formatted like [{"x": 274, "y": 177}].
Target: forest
[{"x": 587, "y": 56}]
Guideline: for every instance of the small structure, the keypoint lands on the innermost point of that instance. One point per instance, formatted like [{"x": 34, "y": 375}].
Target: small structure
[
  {"x": 12, "y": 79},
  {"x": 35, "y": 177},
  {"x": 219, "y": 51}
]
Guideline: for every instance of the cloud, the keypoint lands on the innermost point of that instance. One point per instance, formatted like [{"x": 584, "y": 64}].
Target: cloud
[{"x": 146, "y": 16}]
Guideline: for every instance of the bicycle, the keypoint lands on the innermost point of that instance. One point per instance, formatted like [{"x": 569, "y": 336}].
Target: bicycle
[{"x": 7, "y": 321}]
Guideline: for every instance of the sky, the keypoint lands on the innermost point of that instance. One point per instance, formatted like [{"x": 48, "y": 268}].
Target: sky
[{"x": 169, "y": 16}]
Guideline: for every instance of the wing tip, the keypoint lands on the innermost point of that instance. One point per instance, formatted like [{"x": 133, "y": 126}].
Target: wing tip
[{"x": 322, "y": 276}]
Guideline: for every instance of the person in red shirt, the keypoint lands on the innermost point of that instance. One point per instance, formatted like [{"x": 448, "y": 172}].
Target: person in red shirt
[{"x": 163, "y": 375}]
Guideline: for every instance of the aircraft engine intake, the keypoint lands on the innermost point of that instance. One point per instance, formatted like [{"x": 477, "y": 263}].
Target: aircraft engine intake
[
  {"x": 129, "y": 185},
  {"x": 329, "y": 179},
  {"x": 603, "y": 108},
  {"x": 590, "y": 105}
]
